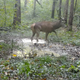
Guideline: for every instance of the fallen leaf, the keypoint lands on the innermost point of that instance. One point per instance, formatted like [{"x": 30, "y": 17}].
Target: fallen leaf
[
  {"x": 8, "y": 60},
  {"x": 14, "y": 55},
  {"x": 50, "y": 46},
  {"x": 32, "y": 62},
  {"x": 11, "y": 68},
  {"x": 43, "y": 79}
]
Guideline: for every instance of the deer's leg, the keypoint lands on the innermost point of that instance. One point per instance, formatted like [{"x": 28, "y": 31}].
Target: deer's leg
[
  {"x": 56, "y": 34},
  {"x": 46, "y": 36},
  {"x": 37, "y": 31},
  {"x": 32, "y": 36}
]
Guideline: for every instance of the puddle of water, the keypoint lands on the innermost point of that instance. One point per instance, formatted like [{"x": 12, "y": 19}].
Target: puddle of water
[
  {"x": 28, "y": 41},
  {"x": 23, "y": 52},
  {"x": 42, "y": 53},
  {"x": 1, "y": 40},
  {"x": 26, "y": 49}
]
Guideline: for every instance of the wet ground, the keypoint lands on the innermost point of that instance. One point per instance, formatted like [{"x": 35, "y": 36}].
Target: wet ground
[{"x": 41, "y": 48}]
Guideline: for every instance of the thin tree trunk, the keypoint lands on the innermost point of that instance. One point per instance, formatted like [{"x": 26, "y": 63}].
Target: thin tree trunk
[
  {"x": 25, "y": 3},
  {"x": 17, "y": 13},
  {"x": 39, "y": 3},
  {"x": 75, "y": 6},
  {"x": 60, "y": 3},
  {"x": 53, "y": 9},
  {"x": 34, "y": 8},
  {"x": 66, "y": 11},
  {"x": 71, "y": 15}
]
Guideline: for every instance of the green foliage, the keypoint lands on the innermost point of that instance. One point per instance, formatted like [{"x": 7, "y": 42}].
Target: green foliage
[
  {"x": 7, "y": 47},
  {"x": 61, "y": 59},
  {"x": 24, "y": 67},
  {"x": 42, "y": 14},
  {"x": 4, "y": 46},
  {"x": 40, "y": 68},
  {"x": 70, "y": 37},
  {"x": 73, "y": 69},
  {"x": 6, "y": 12},
  {"x": 44, "y": 59}
]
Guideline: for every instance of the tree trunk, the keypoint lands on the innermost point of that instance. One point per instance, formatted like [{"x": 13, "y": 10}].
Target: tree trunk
[
  {"x": 75, "y": 6},
  {"x": 71, "y": 15},
  {"x": 34, "y": 8},
  {"x": 66, "y": 11},
  {"x": 53, "y": 9},
  {"x": 39, "y": 3},
  {"x": 17, "y": 13},
  {"x": 60, "y": 3},
  {"x": 25, "y": 3}
]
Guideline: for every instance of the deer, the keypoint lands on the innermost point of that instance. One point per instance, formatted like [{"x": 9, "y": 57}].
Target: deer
[{"x": 45, "y": 26}]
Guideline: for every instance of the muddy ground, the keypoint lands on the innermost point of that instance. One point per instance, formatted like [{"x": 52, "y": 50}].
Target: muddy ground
[{"x": 42, "y": 48}]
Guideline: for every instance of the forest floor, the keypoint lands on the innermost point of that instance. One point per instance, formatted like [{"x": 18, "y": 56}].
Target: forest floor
[
  {"x": 45, "y": 60},
  {"x": 41, "y": 48}
]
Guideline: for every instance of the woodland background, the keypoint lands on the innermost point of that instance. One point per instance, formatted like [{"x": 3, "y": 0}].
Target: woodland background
[{"x": 16, "y": 17}]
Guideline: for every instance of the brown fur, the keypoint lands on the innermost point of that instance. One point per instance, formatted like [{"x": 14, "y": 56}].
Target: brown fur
[{"x": 45, "y": 26}]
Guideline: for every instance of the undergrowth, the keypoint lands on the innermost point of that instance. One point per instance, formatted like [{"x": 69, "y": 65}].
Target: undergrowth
[
  {"x": 68, "y": 37},
  {"x": 40, "y": 68}
]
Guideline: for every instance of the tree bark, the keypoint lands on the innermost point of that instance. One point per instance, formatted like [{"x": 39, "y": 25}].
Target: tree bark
[
  {"x": 39, "y": 3},
  {"x": 71, "y": 15},
  {"x": 53, "y": 9},
  {"x": 60, "y": 3},
  {"x": 75, "y": 6},
  {"x": 66, "y": 11},
  {"x": 25, "y": 3},
  {"x": 17, "y": 13},
  {"x": 34, "y": 8}
]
